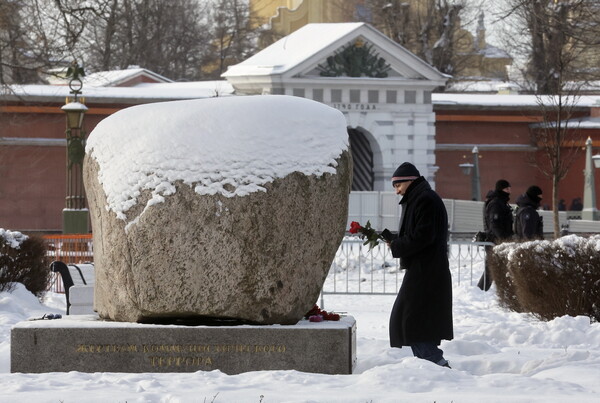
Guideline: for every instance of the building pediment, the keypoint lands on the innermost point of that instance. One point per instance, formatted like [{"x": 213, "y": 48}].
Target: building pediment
[
  {"x": 359, "y": 58},
  {"x": 341, "y": 50}
]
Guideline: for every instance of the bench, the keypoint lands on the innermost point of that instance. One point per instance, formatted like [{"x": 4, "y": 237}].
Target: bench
[{"x": 78, "y": 281}]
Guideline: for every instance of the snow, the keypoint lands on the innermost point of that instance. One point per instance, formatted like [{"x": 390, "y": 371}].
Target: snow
[
  {"x": 12, "y": 239},
  {"x": 504, "y": 100},
  {"x": 164, "y": 91},
  {"x": 496, "y": 356},
  {"x": 206, "y": 89},
  {"x": 231, "y": 146},
  {"x": 115, "y": 77},
  {"x": 290, "y": 51}
]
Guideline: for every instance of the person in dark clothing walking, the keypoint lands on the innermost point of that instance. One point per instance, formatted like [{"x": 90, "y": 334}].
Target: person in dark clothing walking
[
  {"x": 528, "y": 223},
  {"x": 497, "y": 223},
  {"x": 422, "y": 314}
]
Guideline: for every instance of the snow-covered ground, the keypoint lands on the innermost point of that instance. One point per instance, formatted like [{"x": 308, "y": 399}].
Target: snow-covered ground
[{"x": 496, "y": 356}]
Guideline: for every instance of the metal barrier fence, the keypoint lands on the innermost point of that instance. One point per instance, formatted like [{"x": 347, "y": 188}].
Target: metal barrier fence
[
  {"x": 70, "y": 249},
  {"x": 355, "y": 270},
  {"x": 76, "y": 248},
  {"x": 358, "y": 271}
]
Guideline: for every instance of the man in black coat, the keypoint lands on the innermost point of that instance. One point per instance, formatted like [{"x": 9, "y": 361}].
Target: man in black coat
[
  {"x": 528, "y": 223},
  {"x": 422, "y": 314},
  {"x": 497, "y": 223},
  {"x": 498, "y": 218}
]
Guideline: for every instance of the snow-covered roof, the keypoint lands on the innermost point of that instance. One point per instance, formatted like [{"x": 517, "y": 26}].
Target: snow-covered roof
[
  {"x": 501, "y": 100},
  {"x": 576, "y": 123},
  {"x": 144, "y": 91},
  {"x": 310, "y": 45},
  {"x": 295, "y": 48},
  {"x": 114, "y": 78},
  {"x": 207, "y": 89},
  {"x": 110, "y": 78},
  {"x": 475, "y": 85}
]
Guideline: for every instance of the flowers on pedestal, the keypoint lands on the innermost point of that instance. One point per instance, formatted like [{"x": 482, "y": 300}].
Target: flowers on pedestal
[{"x": 316, "y": 314}]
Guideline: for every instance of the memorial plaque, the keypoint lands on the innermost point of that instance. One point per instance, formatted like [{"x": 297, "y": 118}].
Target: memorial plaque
[{"x": 86, "y": 344}]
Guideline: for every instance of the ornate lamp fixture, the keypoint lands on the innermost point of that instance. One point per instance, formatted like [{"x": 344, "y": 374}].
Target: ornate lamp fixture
[{"x": 75, "y": 214}]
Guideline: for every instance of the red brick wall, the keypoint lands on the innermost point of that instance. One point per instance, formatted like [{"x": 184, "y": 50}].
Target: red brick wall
[
  {"x": 33, "y": 178},
  {"x": 514, "y": 166}
]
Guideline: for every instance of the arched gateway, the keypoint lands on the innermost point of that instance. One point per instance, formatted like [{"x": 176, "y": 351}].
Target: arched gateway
[{"x": 383, "y": 90}]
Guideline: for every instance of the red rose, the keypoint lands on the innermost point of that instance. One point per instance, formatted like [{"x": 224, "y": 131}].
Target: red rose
[
  {"x": 313, "y": 311},
  {"x": 316, "y": 318},
  {"x": 332, "y": 316},
  {"x": 354, "y": 227},
  {"x": 368, "y": 233}
]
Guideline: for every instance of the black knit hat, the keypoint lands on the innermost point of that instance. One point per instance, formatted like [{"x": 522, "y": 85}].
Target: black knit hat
[
  {"x": 534, "y": 193},
  {"x": 502, "y": 184},
  {"x": 405, "y": 172}
]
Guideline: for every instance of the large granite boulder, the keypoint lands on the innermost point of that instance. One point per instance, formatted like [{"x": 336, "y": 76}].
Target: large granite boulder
[{"x": 222, "y": 208}]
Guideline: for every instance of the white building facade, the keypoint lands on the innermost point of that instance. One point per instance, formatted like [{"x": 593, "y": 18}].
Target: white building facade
[{"x": 383, "y": 90}]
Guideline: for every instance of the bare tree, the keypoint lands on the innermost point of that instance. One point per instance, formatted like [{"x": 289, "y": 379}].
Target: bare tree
[
  {"x": 558, "y": 141},
  {"x": 27, "y": 41},
  {"x": 233, "y": 38},
  {"x": 560, "y": 45},
  {"x": 431, "y": 29},
  {"x": 556, "y": 41},
  {"x": 166, "y": 37}
]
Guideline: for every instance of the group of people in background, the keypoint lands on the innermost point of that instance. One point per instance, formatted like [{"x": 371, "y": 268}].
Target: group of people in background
[
  {"x": 576, "y": 205},
  {"x": 500, "y": 224}
]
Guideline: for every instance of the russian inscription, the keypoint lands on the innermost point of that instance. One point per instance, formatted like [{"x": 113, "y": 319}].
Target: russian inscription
[
  {"x": 180, "y": 355},
  {"x": 354, "y": 107}
]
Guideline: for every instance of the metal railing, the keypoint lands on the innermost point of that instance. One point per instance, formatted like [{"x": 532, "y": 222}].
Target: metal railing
[
  {"x": 70, "y": 249},
  {"x": 358, "y": 271},
  {"x": 354, "y": 271},
  {"x": 76, "y": 248}
]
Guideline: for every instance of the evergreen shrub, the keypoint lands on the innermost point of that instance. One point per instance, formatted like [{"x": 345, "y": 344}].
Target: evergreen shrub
[
  {"x": 23, "y": 259},
  {"x": 549, "y": 278}
]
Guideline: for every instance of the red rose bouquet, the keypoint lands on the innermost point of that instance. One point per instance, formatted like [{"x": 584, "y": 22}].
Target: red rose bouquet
[
  {"x": 316, "y": 314},
  {"x": 367, "y": 232}
]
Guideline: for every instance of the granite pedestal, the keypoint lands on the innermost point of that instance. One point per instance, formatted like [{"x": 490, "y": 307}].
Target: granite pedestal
[{"x": 86, "y": 344}]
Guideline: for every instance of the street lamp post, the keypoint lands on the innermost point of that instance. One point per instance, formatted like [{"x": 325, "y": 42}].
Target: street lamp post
[
  {"x": 75, "y": 213},
  {"x": 473, "y": 170},
  {"x": 590, "y": 212}
]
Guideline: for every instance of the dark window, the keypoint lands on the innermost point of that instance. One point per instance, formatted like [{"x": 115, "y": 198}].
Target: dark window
[
  {"x": 318, "y": 95},
  {"x": 336, "y": 95},
  {"x": 373, "y": 96},
  {"x": 391, "y": 97},
  {"x": 427, "y": 97}
]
